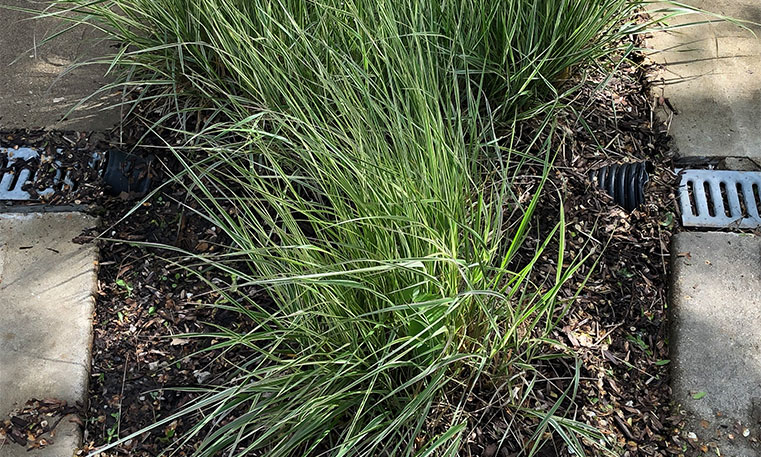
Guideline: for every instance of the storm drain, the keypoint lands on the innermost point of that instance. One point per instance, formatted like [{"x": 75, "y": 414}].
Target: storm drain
[
  {"x": 18, "y": 168},
  {"x": 720, "y": 198}
]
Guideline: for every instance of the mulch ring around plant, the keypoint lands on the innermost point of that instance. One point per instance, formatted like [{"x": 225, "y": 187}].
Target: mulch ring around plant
[{"x": 616, "y": 324}]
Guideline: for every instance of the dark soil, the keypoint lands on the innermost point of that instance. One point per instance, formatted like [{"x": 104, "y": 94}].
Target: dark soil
[{"x": 617, "y": 325}]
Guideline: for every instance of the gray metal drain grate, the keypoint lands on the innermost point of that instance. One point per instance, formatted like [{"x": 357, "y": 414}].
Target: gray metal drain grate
[
  {"x": 720, "y": 198},
  {"x": 19, "y": 167}
]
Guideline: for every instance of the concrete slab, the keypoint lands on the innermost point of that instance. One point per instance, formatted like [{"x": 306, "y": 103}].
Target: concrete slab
[
  {"x": 35, "y": 88},
  {"x": 716, "y": 338},
  {"x": 712, "y": 77},
  {"x": 46, "y": 297}
]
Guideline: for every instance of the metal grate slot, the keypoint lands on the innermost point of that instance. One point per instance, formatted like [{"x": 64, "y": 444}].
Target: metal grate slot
[
  {"x": 11, "y": 182},
  {"x": 18, "y": 173},
  {"x": 720, "y": 198}
]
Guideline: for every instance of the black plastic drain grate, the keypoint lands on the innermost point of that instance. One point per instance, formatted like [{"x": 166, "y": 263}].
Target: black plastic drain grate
[
  {"x": 720, "y": 198},
  {"x": 18, "y": 168}
]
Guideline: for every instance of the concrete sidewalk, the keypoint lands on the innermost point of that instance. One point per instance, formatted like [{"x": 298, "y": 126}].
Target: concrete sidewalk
[
  {"x": 46, "y": 296},
  {"x": 46, "y": 280},
  {"x": 716, "y": 338},
  {"x": 712, "y": 77},
  {"x": 38, "y": 85}
]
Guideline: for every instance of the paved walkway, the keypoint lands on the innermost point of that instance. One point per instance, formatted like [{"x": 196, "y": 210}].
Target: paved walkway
[
  {"x": 46, "y": 287},
  {"x": 36, "y": 86},
  {"x": 46, "y": 280},
  {"x": 712, "y": 78},
  {"x": 716, "y": 337}
]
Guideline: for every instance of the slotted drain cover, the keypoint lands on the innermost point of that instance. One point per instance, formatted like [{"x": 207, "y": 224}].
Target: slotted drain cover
[
  {"x": 18, "y": 168},
  {"x": 20, "y": 172},
  {"x": 720, "y": 198}
]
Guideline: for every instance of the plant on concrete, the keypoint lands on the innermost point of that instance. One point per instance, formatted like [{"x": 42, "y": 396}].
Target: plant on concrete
[{"x": 361, "y": 157}]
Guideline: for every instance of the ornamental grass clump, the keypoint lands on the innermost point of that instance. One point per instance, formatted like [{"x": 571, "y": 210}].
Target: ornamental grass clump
[{"x": 362, "y": 160}]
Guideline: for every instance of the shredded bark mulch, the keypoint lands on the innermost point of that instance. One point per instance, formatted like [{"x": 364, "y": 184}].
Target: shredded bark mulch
[{"x": 618, "y": 325}]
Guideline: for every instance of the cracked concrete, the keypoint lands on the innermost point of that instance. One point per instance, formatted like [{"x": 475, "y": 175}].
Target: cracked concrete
[{"x": 46, "y": 296}]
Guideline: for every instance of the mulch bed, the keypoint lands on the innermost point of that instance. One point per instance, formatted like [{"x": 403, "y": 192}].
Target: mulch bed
[{"x": 618, "y": 324}]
